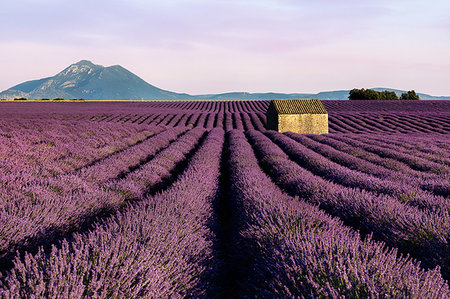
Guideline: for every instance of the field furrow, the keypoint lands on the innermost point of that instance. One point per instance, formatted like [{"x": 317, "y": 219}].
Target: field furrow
[
  {"x": 160, "y": 247},
  {"x": 284, "y": 247},
  {"x": 404, "y": 189},
  {"x": 422, "y": 234},
  {"x": 71, "y": 204}
]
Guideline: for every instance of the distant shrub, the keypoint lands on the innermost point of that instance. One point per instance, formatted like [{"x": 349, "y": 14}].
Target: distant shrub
[
  {"x": 370, "y": 94},
  {"x": 409, "y": 96},
  {"x": 388, "y": 95},
  {"x": 44, "y": 100},
  {"x": 3, "y": 100},
  {"x": 58, "y": 99},
  {"x": 364, "y": 94},
  {"x": 20, "y": 99}
]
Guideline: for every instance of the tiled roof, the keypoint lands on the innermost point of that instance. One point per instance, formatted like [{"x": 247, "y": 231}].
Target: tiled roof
[{"x": 299, "y": 106}]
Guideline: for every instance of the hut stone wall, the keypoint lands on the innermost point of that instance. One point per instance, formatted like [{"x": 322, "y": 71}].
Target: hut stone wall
[
  {"x": 303, "y": 123},
  {"x": 303, "y": 116}
]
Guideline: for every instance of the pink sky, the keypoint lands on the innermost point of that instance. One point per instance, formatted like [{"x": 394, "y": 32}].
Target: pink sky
[{"x": 213, "y": 46}]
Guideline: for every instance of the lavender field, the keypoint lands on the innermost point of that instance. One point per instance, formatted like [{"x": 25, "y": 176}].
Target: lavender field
[{"x": 198, "y": 199}]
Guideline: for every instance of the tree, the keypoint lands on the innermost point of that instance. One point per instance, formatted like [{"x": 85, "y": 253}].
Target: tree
[
  {"x": 388, "y": 95},
  {"x": 364, "y": 94},
  {"x": 373, "y": 95},
  {"x": 409, "y": 96},
  {"x": 356, "y": 94}
]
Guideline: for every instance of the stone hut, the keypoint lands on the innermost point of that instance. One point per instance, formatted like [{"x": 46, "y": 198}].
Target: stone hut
[{"x": 303, "y": 116}]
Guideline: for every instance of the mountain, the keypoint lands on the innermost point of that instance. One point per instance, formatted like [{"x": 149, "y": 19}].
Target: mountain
[
  {"x": 95, "y": 82},
  {"x": 324, "y": 95},
  {"x": 91, "y": 82}
]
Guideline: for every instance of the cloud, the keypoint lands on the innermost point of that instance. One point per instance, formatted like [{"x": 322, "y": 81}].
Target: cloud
[{"x": 244, "y": 25}]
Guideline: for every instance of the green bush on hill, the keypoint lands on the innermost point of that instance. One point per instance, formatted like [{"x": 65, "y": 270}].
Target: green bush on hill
[
  {"x": 410, "y": 95},
  {"x": 370, "y": 94}
]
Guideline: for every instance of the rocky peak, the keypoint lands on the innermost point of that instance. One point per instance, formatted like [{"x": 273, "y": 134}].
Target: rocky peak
[{"x": 83, "y": 66}]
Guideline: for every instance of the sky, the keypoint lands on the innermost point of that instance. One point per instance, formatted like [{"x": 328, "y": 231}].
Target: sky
[{"x": 211, "y": 46}]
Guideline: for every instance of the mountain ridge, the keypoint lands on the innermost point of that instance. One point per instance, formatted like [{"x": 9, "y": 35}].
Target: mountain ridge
[{"x": 90, "y": 81}]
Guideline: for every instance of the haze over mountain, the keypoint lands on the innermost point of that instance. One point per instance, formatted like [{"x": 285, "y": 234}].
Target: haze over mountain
[{"x": 95, "y": 82}]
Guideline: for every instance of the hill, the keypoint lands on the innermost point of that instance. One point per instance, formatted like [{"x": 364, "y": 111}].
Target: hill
[{"x": 90, "y": 81}]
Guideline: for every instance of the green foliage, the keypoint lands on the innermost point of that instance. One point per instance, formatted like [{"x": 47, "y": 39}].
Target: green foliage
[
  {"x": 20, "y": 99},
  {"x": 364, "y": 94},
  {"x": 388, "y": 95},
  {"x": 410, "y": 95},
  {"x": 370, "y": 94},
  {"x": 356, "y": 94}
]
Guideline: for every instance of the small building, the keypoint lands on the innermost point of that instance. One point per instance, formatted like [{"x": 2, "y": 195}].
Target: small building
[{"x": 303, "y": 116}]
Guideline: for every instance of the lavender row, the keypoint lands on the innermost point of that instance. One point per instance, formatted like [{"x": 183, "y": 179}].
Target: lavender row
[
  {"x": 34, "y": 187},
  {"x": 345, "y": 116},
  {"x": 21, "y": 184},
  {"x": 413, "y": 162},
  {"x": 389, "y": 122},
  {"x": 161, "y": 247},
  {"x": 435, "y": 145},
  {"x": 47, "y": 148},
  {"x": 420, "y": 233},
  {"x": 316, "y": 163},
  {"x": 334, "y": 151},
  {"x": 288, "y": 248},
  {"x": 227, "y": 121},
  {"x": 338, "y": 123},
  {"x": 68, "y": 203},
  {"x": 210, "y": 106},
  {"x": 173, "y": 114},
  {"x": 355, "y": 160},
  {"x": 421, "y": 123},
  {"x": 160, "y": 168},
  {"x": 440, "y": 156},
  {"x": 235, "y": 120},
  {"x": 427, "y": 181},
  {"x": 128, "y": 159},
  {"x": 91, "y": 109},
  {"x": 353, "y": 148},
  {"x": 399, "y": 107},
  {"x": 385, "y": 123}
]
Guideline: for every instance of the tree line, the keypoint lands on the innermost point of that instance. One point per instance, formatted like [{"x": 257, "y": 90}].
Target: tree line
[{"x": 370, "y": 94}]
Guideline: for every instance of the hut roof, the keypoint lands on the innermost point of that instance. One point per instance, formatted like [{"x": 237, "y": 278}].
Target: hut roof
[{"x": 299, "y": 106}]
